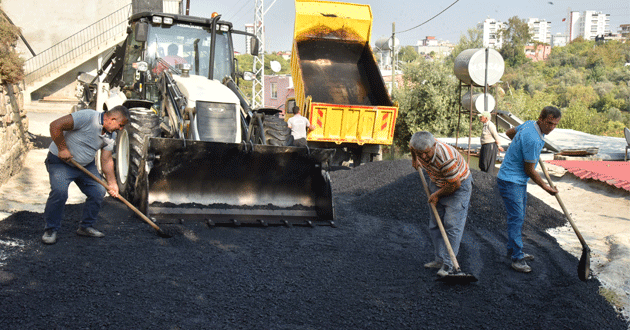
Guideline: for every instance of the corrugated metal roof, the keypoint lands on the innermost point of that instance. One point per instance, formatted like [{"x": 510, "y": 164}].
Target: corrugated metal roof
[{"x": 613, "y": 173}]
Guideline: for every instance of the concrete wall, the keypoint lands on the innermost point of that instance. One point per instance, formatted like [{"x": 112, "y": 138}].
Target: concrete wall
[
  {"x": 14, "y": 142},
  {"x": 45, "y": 23}
]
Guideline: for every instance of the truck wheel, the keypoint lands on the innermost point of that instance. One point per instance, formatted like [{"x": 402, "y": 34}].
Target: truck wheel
[
  {"x": 360, "y": 156},
  {"x": 277, "y": 133},
  {"x": 130, "y": 143}
]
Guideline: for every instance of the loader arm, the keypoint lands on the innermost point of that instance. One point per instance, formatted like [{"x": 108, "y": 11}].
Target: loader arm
[{"x": 174, "y": 103}]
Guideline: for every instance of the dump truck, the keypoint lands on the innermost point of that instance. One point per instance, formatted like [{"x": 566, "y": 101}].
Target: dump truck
[
  {"x": 193, "y": 147},
  {"x": 338, "y": 84}
]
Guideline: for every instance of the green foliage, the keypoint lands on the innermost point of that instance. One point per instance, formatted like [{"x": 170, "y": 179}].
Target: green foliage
[
  {"x": 515, "y": 36},
  {"x": 586, "y": 80},
  {"x": 284, "y": 64},
  {"x": 428, "y": 101},
  {"x": 472, "y": 39},
  {"x": 11, "y": 65},
  {"x": 578, "y": 116},
  {"x": 246, "y": 63},
  {"x": 407, "y": 54}
]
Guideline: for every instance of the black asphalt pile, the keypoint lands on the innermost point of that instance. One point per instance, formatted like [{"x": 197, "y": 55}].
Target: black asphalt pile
[{"x": 365, "y": 274}]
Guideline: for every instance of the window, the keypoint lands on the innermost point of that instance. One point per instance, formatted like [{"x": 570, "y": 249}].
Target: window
[{"x": 274, "y": 90}]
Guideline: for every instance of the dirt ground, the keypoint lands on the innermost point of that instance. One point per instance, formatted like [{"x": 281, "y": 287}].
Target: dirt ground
[
  {"x": 602, "y": 215},
  {"x": 365, "y": 274}
]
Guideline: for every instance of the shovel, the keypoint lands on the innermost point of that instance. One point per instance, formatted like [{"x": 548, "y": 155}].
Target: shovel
[
  {"x": 584, "y": 266},
  {"x": 458, "y": 277},
  {"x": 133, "y": 208}
]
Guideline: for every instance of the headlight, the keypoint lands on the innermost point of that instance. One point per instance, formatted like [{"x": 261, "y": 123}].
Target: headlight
[
  {"x": 168, "y": 20},
  {"x": 140, "y": 66},
  {"x": 157, "y": 20}
]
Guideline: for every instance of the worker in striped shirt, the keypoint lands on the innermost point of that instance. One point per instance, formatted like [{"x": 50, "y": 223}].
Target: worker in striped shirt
[{"x": 450, "y": 186}]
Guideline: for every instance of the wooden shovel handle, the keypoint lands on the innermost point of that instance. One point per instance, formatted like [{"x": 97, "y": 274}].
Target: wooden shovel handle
[
  {"x": 564, "y": 209},
  {"x": 133, "y": 208},
  {"x": 451, "y": 253}
]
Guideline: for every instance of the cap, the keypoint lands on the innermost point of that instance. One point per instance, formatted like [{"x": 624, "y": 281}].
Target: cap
[{"x": 484, "y": 114}]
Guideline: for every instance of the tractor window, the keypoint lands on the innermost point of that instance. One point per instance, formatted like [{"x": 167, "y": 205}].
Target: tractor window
[
  {"x": 222, "y": 57},
  {"x": 169, "y": 46}
]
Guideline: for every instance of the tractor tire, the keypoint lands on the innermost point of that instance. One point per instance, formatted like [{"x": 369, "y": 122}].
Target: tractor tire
[
  {"x": 277, "y": 132},
  {"x": 130, "y": 145}
]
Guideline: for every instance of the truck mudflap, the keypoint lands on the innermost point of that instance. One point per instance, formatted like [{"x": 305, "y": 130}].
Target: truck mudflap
[{"x": 232, "y": 183}]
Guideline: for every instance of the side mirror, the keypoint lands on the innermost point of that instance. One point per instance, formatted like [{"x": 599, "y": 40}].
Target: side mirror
[
  {"x": 254, "y": 46},
  {"x": 142, "y": 32},
  {"x": 248, "y": 76}
]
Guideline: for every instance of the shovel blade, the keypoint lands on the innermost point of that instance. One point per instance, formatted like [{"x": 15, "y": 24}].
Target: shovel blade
[
  {"x": 584, "y": 266},
  {"x": 458, "y": 278}
]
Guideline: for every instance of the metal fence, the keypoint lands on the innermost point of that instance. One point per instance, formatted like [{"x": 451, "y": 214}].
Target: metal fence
[{"x": 77, "y": 45}]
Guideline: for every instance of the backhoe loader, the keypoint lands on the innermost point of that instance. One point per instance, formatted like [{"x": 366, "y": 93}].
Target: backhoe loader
[{"x": 193, "y": 147}]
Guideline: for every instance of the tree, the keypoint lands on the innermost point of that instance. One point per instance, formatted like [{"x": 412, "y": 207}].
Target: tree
[
  {"x": 285, "y": 66},
  {"x": 515, "y": 36},
  {"x": 11, "y": 65},
  {"x": 472, "y": 39},
  {"x": 428, "y": 101},
  {"x": 407, "y": 54}
]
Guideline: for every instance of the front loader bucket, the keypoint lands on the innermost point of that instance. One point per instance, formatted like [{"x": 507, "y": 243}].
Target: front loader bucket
[{"x": 237, "y": 183}]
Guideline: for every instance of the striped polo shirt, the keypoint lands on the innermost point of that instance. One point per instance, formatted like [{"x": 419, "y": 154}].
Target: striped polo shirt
[{"x": 447, "y": 165}]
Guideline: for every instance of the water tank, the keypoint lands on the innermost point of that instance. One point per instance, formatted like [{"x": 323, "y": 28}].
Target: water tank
[
  {"x": 386, "y": 43},
  {"x": 470, "y": 66},
  {"x": 478, "y": 102}
]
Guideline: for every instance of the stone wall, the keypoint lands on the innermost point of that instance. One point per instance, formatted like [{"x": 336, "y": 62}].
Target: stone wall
[{"x": 14, "y": 142}]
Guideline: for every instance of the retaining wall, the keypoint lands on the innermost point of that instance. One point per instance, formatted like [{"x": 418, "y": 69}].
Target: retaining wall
[{"x": 14, "y": 142}]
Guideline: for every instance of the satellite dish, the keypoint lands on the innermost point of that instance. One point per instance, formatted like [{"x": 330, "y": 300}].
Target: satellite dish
[{"x": 275, "y": 66}]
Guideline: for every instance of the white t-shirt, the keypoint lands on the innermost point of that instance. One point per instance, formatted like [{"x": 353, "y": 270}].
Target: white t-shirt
[{"x": 298, "y": 124}]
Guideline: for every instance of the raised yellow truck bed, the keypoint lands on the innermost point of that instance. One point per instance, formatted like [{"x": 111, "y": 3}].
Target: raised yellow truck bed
[
  {"x": 338, "y": 84},
  {"x": 352, "y": 124}
]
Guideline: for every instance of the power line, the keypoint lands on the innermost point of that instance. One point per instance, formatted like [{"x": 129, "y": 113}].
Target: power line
[
  {"x": 235, "y": 4},
  {"x": 440, "y": 13},
  {"x": 238, "y": 11}
]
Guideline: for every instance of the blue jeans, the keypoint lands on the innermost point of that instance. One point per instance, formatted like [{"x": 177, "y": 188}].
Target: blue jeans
[
  {"x": 61, "y": 174},
  {"x": 515, "y": 199},
  {"x": 453, "y": 210}
]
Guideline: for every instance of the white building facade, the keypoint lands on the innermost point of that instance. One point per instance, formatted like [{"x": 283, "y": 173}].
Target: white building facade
[
  {"x": 491, "y": 33},
  {"x": 559, "y": 40},
  {"x": 540, "y": 30},
  {"x": 588, "y": 24}
]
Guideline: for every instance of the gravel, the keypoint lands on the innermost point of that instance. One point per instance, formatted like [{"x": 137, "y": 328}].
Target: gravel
[{"x": 365, "y": 274}]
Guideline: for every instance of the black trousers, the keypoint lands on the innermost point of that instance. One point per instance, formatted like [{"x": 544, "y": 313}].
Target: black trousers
[{"x": 488, "y": 157}]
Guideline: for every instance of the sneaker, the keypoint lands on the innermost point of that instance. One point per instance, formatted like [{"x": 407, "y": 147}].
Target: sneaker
[
  {"x": 526, "y": 257},
  {"x": 50, "y": 237},
  {"x": 521, "y": 266},
  {"x": 433, "y": 264},
  {"x": 444, "y": 270},
  {"x": 89, "y": 231}
]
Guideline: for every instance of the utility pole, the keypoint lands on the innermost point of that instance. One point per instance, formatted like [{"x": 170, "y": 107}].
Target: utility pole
[
  {"x": 393, "y": 54},
  {"x": 258, "y": 84}
]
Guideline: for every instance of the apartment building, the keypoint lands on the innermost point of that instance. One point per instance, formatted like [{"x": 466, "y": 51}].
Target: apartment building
[
  {"x": 588, "y": 24},
  {"x": 559, "y": 40},
  {"x": 491, "y": 33},
  {"x": 429, "y": 45},
  {"x": 540, "y": 30}
]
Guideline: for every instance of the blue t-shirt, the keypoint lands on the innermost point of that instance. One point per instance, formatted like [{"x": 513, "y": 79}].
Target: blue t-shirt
[
  {"x": 86, "y": 138},
  {"x": 526, "y": 147}
]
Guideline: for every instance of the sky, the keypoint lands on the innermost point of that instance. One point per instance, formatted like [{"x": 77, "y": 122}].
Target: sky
[{"x": 450, "y": 25}]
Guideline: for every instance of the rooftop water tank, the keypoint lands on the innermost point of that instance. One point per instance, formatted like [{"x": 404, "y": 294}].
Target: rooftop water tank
[
  {"x": 478, "y": 102},
  {"x": 470, "y": 66}
]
